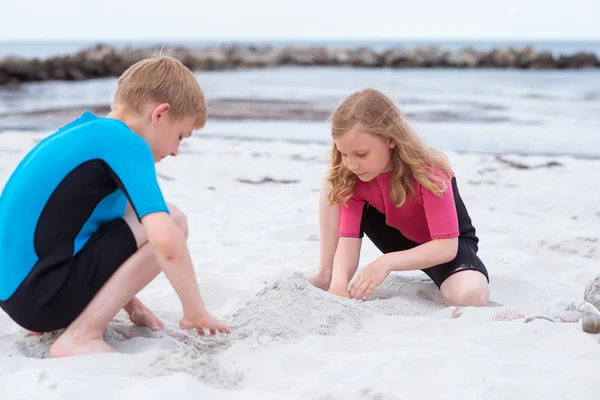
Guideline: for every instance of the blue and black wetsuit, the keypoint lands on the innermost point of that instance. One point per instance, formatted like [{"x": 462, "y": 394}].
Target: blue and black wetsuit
[{"x": 61, "y": 231}]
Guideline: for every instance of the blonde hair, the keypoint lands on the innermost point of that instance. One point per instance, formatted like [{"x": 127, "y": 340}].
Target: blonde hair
[
  {"x": 376, "y": 114},
  {"x": 164, "y": 79}
]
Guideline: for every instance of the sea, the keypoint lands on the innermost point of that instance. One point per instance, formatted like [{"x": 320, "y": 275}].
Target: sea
[{"x": 495, "y": 111}]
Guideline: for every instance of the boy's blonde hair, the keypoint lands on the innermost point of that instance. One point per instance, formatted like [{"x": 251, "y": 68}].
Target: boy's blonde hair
[
  {"x": 164, "y": 79},
  {"x": 375, "y": 113}
]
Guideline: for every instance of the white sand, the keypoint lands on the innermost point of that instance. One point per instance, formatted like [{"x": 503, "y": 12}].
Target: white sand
[{"x": 253, "y": 245}]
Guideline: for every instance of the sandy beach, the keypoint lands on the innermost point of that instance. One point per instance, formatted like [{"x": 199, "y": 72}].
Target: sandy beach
[{"x": 252, "y": 213}]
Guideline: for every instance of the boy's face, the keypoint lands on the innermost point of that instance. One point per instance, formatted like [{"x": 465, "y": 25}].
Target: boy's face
[{"x": 164, "y": 135}]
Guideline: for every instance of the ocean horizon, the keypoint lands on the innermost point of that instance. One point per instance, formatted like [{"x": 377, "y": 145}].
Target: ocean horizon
[{"x": 52, "y": 48}]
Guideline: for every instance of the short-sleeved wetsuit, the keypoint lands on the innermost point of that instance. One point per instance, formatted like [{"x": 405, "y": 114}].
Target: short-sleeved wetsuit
[
  {"x": 61, "y": 231},
  {"x": 420, "y": 219}
]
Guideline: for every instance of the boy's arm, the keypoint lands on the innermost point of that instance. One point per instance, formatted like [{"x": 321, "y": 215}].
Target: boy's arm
[
  {"x": 131, "y": 165},
  {"x": 174, "y": 259},
  {"x": 345, "y": 263}
]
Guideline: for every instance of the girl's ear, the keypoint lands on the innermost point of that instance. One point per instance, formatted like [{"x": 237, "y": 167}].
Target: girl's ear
[{"x": 391, "y": 143}]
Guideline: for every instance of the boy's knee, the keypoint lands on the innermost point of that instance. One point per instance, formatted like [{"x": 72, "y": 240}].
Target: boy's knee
[{"x": 179, "y": 218}]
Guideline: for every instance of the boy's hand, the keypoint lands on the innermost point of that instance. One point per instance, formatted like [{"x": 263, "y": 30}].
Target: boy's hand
[
  {"x": 206, "y": 321},
  {"x": 369, "y": 278}
]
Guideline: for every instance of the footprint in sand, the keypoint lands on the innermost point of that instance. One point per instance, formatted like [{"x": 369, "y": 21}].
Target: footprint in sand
[{"x": 583, "y": 245}]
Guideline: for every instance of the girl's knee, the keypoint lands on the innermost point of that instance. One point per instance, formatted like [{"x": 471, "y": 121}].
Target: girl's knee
[
  {"x": 179, "y": 218},
  {"x": 472, "y": 296},
  {"x": 466, "y": 288}
]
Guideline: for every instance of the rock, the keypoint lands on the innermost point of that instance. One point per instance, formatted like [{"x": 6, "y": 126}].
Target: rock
[
  {"x": 579, "y": 60},
  {"x": 249, "y": 57},
  {"x": 3, "y": 77},
  {"x": 543, "y": 60},
  {"x": 592, "y": 292},
  {"x": 466, "y": 58},
  {"x": 505, "y": 57},
  {"x": 394, "y": 58},
  {"x": 297, "y": 55},
  {"x": 588, "y": 308},
  {"x": 338, "y": 56},
  {"x": 215, "y": 59},
  {"x": 105, "y": 61},
  {"x": 365, "y": 57},
  {"x": 590, "y": 323}
]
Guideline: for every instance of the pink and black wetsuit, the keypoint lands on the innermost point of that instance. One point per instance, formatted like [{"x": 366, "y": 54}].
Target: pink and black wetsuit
[{"x": 421, "y": 219}]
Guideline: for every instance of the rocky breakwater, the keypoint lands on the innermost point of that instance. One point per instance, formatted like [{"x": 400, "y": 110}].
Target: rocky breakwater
[{"x": 105, "y": 61}]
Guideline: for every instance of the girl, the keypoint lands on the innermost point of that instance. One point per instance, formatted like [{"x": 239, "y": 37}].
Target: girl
[{"x": 386, "y": 183}]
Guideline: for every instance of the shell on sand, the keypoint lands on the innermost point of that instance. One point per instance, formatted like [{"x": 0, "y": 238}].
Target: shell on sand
[
  {"x": 508, "y": 315},
  {"x": 592, "y": 292},
  {"x": 590, "y": 323}
]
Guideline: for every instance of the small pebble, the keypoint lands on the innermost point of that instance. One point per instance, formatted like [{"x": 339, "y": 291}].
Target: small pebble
[
  {"x": 545, "y": 317},
  {"x": 456, "y": 313},
  {"x": 570, "y": 316},
  {"x": 588, "y": 307},
  {"x": 590, "y": 323}
]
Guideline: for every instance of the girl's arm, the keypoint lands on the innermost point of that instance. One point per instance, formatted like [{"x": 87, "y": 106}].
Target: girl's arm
[
  {"x": 435, "y": 252},
  {"x": 329, "y": 221},
  {"x": 345, "y": 263}
]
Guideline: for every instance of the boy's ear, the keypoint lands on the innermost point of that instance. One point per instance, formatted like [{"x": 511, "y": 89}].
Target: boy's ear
[{"x": 159, "y": 112}]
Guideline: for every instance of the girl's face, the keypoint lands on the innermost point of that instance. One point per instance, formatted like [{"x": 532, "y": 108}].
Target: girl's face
[{"x": 364, "y": 154}]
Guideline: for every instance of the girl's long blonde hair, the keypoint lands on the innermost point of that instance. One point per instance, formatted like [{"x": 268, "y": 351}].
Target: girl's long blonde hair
[{"x": 375, "y": 113}]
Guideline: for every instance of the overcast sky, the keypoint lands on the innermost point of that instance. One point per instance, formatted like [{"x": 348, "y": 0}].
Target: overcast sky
[{"x": 300, "y": 19}]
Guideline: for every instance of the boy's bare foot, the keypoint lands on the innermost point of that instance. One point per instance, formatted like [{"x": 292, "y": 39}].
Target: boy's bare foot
[
  {"x": 145, "y": 317},
  {"x": 320, "y": 281},
  {"x": 67, "y": 345},
  {"x": 139, "y": 314}
]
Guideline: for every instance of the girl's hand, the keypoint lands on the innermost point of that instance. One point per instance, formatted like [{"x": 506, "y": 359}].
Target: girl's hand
[{"x": 369, "y": 278}]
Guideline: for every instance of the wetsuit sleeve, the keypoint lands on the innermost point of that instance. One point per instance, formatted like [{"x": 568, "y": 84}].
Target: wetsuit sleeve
[
  {"x": 440, "y": 212},
  {"x": 351, "y": 218},
  {"x": 131, "y": 164}
]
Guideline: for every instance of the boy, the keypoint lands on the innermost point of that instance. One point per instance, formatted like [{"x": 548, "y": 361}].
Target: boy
[{"x": 83, "y": 223}]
